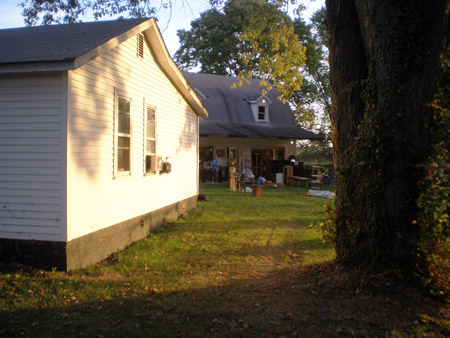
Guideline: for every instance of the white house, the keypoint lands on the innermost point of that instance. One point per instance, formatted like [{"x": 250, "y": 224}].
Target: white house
[{"x": 89, "y": 114}]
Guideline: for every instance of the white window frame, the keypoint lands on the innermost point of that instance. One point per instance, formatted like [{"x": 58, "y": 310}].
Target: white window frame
[
  {"x": 117, "y": 135},
  {"x": 151, "y": 139},
  {"x": 258, "y": 112}
]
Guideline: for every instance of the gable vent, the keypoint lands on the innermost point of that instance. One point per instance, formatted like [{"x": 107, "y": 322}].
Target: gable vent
[{"x": 140, "y": 45}]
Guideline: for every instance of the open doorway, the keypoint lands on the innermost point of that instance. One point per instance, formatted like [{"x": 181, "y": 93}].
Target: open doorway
[{"x": 267, "y": 162}]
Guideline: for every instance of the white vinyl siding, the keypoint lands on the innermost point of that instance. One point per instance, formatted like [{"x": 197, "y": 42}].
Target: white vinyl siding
[
  {"x": 32, "y": 160},
  {"x": 97, "y": 198}
]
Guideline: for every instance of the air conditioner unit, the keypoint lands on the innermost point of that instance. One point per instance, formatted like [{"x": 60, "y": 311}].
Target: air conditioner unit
[
  {"x": 167, "y": 167},
  {"x": 150, "y": 163}
]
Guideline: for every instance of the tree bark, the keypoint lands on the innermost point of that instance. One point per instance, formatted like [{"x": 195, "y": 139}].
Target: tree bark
[{"x": 385, "y": 58}]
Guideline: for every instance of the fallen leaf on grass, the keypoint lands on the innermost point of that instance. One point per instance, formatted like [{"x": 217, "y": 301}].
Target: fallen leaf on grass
[{"x": 217, "y": 321}]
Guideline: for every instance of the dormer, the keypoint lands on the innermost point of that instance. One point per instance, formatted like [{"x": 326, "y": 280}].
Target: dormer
[{"x": 260, "y": 108}]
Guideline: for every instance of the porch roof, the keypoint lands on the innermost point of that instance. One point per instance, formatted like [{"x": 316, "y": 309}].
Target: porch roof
[{"x": 220, "y": 128}]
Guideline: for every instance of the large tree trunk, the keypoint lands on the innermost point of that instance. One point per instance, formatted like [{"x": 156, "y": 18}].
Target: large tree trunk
[{"x": 385, "y": 58}]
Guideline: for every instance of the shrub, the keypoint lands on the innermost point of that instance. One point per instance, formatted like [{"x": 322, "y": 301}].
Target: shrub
[{"x": 433, "y": 202}]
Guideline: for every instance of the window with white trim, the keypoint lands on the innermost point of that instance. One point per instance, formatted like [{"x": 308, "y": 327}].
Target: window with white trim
[
  {"x": 260, "y": 109},
  {"x": 150, "y": 130},
  {"x": 123, "y": 135},
  {"x": 262, "y": 113}
]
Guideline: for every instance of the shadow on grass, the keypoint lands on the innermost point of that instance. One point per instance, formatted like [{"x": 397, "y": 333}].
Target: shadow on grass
[
  {"x": 224, "y": 271},
  {"x": 321, "y": 300}
]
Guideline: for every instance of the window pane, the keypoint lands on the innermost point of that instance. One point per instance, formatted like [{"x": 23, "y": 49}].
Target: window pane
[
  {"x": 152, "y": 147},
  {"x": 150, "y": 114},
  {"x": 124, "y": 142},
  {"x": 124, "y": 105},
  {"x": 123, "y": 160},
  {"x": 124, "y": 123},
  {"x": 261, "y": 112},
  {"x": 124, "y": 116},
  {"x": 151, "y": 131},
  {"x": 123, "y": 127}
]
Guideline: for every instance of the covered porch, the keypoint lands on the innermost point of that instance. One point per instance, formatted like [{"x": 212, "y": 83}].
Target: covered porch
[{"x": 263, "y": 157}]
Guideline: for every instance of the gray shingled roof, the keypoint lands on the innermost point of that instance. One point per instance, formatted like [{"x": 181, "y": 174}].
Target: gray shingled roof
[
  {"x": 230, "y": 112},
  {"x": 58, "y": 42}
]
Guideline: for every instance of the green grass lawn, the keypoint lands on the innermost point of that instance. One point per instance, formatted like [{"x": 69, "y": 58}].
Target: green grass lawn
[{"x": 237, "y": 266}]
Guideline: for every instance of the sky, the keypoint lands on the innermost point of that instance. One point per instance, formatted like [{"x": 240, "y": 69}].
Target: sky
[{"x": 180, "y": 18}]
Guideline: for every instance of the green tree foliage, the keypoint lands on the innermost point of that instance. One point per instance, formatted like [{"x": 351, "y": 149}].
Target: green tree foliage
[
  {"x": 314, "y": 97},
  {"x": 434, "y": 199},
  {"x": 213, "y": 43},
  {"x": 312, "y": 103},
  {"x": 69, "y": 11},
  {"x": 315, "y": 153},
  {"x": 248, "y": 39}
]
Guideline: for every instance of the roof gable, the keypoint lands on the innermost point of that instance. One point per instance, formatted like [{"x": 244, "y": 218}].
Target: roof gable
[
  {"x": 261, "y": 99},
  {"x": 66, "y": 47},
  {"x": 62, "y": 43}
]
